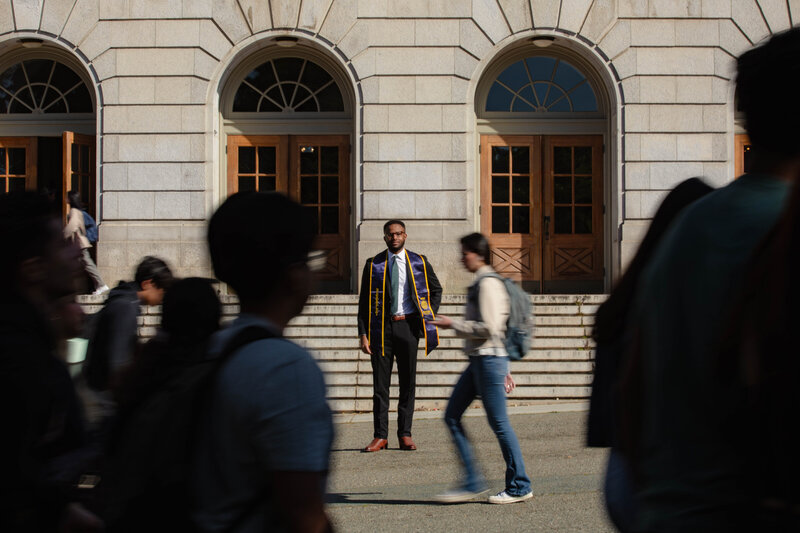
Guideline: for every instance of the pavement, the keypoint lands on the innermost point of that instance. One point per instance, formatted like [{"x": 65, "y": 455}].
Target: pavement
[{"x": 393, "y": 490}]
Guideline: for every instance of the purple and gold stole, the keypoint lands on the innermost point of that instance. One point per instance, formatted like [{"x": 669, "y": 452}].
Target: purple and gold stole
[{"x": 419, "y": 283}]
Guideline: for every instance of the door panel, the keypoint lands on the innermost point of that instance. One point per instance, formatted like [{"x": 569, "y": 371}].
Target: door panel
[
  {"x": 79, "y": 173},
  {"x": 17, "y": 164},
  {"x": 511, "y": 204},
  {"x": 258, "y": 163},
  {"x": 542, "y": 209},
  {"x": 319, "y": 182},
  {"x": 312, "y": 170}
]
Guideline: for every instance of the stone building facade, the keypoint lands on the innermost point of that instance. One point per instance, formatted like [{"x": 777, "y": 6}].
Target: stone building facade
[{"x": 556, "y": 126}]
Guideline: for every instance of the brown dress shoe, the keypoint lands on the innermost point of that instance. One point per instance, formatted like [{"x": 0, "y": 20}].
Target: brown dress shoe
[
  {"x": 377, "y": 445},
  {"x": 407, "y": 444}
]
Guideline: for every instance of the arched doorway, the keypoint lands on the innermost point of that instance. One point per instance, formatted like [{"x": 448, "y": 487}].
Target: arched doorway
[
  {"x": 47, "y": 125},
  {"x": 542, "y": 120},
  {"x": 287, "y": 118}
]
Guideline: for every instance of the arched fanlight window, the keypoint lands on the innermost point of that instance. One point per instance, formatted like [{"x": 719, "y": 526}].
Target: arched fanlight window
[
  {"x": 288, "y": 84},
  {"x": 43, "y": 86},
  {"x": 541, "y": 84}
]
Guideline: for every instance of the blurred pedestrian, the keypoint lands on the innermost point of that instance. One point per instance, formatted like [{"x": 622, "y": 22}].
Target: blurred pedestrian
[
  {"x": 114, "y": 336},
  {"x": 147, "y": 478},
  {"x": 43, "y": 433},
  {"x": 75, "y": 230},
  {"x": 690, "y": 474},
  {"x": 266, "y": 433},
  {"x": 613, "y": 339},
  {"x": 487, "y": 377},
  {"x": 759, "y": 361}
]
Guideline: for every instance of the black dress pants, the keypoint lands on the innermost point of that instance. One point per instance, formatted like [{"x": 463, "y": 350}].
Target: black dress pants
[{"x": 399, "y": 342}]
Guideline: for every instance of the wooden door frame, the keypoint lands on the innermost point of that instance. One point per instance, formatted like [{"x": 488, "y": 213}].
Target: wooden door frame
[
  {"x": 68, "y": 138},
  {"x": 598, "y": 235},
  {"x": 31, "y": 153},
  {"x": 740, "y": 140},
  {"x": 541, "y": 153},
  {"x": 534, "y": 238},
  {"x": 281, "y": 143}
]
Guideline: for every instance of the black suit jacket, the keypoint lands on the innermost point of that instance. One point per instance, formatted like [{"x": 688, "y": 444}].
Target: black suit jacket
[{"x": 434, "y": 296}]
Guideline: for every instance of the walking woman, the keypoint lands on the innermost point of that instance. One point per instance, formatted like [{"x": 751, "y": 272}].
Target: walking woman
[
  {"x": 486, "y": 376},
  {"x": 75, "y": 230}
]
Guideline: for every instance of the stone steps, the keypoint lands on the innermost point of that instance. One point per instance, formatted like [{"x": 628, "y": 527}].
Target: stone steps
[{"x": 559, "y": 365}]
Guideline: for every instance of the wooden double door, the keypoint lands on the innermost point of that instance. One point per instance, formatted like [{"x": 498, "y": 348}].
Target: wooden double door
[
  {"x": 52, "y": 164},
  {"x": 312, "y": 170},
  {"x": 542, "y": 209}
]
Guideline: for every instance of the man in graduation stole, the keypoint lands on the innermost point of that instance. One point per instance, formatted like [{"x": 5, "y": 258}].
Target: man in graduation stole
[{"x": 400, "y": 294}]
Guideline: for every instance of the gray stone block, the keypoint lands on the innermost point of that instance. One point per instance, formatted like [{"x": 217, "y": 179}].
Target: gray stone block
[
  {"x": 545, "y": 13},
  {"x": 488, "y": 15},
  {"x": 81, "y": 20},
  {"x": 573, "y": 14},
  {"x": 652, "y": 32},
  {"x": 602, "y": 14},
  {"x": 312, "y": 13},
  {"x": 675, "y": 61},
  {"x": 776, "y": 13},
  {"x": 257, "y": 14},
  {"x": 747, "y": 16},
  {"x": 617, "y": 40},
  {"x": 136, "y": 205},
  {"x": 27, "y": 14},
  {"x": 437, "y": 32},
  {"x": 341, "y": 17},
  {"x": 518, "y": 14},
  {"x": 54, "y": 15},
  {"x": 472, "y": 39}
]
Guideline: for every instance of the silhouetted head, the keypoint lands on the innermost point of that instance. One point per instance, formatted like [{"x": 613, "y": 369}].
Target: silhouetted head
[
  {"x": 191, "y": 309},
  {"x": 74, "y": 200},
  {"x": 35, "y": 254},
  {"x": 153, "y": 277},
  {"x": 612, "y": 315},
  {"x": 766, "y": 84},
  {"x": 256, "y": 241}
]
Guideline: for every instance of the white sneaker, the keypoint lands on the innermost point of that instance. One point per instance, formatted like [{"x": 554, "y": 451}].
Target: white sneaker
[
  {"x": 458, "y": 496},
  {"x": 100, "y": 290},
  {"x": 504, "y": 497}
]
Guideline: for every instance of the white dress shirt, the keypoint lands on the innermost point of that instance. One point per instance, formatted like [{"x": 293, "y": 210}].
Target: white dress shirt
[{"x": 405, "y": 289}]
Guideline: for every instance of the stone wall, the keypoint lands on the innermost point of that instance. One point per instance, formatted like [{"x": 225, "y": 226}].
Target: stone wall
[{"x": 160, "y": 65}]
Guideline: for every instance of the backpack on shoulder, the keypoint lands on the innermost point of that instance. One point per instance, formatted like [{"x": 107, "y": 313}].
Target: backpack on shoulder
[
  {"x": 519, "y": 327},
  {"x": 148, "y": 468},
  {"x": 91, "y": 227}
]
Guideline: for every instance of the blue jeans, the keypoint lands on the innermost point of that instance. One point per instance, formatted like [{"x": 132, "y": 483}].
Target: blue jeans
[{"x": 485, "y": 377}]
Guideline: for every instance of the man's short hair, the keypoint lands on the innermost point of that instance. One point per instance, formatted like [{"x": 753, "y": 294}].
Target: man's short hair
[
  {"x": 254, "y": 238},
  {"x": 392, "y": 222},
  {"x": 766, "y": 85},
  {"x": 27, "y": 227},
  {"x": 154, "y": 269},
  {"x": 477, "y": 243}
]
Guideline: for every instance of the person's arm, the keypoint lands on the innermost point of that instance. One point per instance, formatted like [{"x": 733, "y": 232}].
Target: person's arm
[
  {"x": 363, "y": 310},
  {"x": 434, "y": 287},
  {"x": 73, "y": 224},
  {"x": 494, "y": 307},
  {"x": 122, "y": 339},
  {"x": 303, "y": 509}
]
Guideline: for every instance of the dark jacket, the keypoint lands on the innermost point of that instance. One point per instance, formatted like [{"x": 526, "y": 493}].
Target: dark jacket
[
  {"x": 42, "y": 426},
  {"x": 434, "y": 296},
  {"x": 113, "y": 340}
]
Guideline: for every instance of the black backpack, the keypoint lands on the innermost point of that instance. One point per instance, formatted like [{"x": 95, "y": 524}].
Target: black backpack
[{"x": 148, "y": 468}]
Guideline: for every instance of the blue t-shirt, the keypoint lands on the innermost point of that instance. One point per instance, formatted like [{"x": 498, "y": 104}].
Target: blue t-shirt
[
  {"x": 268, "y": 413},
  {"x": 690, "y": 473}
]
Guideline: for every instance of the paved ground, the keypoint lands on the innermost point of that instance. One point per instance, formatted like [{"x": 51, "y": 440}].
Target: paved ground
[{"x": 391, "y": 490}]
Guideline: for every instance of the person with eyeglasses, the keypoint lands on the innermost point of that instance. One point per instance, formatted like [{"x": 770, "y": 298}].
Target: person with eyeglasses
[{"x": 399, "y": 297}]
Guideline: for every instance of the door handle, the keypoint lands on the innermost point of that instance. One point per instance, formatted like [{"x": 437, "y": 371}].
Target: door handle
[{"x": 547, "y": 227}]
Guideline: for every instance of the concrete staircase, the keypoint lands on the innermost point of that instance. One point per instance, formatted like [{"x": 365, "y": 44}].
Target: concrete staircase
[{"x": 559, "y": 366}]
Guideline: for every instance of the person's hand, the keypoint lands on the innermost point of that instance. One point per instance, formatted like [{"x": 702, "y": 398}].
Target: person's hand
[
  {"x": 365, "y": 345},
  {"x": 77, "y": 519},
  {"x": 444, "y": 322},
  {"x": 510, "y": 385}
]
